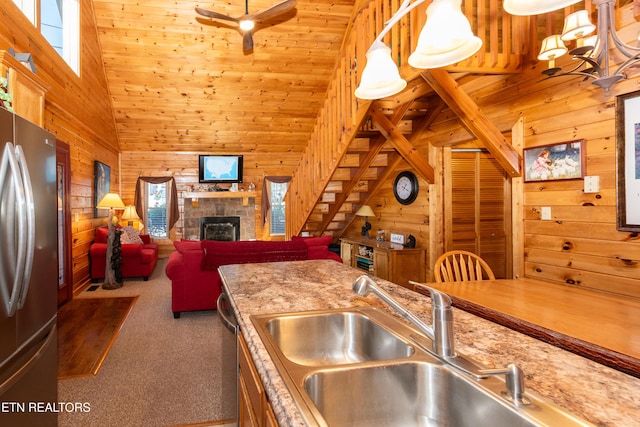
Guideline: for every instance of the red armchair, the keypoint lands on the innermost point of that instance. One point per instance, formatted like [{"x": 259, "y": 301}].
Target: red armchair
[{"x": 138, "y": 260}]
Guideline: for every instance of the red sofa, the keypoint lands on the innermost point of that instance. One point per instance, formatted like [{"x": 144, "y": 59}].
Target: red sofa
[
  {"x": 193, "y": 267},
  {"x": 138, "y": 260}
]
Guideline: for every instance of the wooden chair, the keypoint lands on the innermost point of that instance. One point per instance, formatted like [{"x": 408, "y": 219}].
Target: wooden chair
[{"x": 462, "y": 266}]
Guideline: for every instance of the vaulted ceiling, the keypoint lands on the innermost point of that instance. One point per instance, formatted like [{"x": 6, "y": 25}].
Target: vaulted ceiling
[{"x": 182, "y": 82}]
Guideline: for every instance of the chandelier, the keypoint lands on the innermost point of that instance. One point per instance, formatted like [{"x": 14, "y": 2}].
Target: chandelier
[
  {"x": 447, "y": 38},
  {"x": 592, "y": 51}
]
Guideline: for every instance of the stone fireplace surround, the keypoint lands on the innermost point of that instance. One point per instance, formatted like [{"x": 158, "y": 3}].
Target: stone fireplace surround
[{"x": 212, "y": 206}]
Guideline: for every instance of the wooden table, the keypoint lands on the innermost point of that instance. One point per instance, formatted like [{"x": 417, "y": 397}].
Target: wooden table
[{"x": 599, "y": 326}]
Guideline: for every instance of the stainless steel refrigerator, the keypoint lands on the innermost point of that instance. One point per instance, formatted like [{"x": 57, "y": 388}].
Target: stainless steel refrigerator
[{"x": 28, "y": 274}]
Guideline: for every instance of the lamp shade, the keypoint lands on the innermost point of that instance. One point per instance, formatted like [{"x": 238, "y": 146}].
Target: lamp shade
[
  {"x": 534, "y": 7},
  {"x": 365, "y": 210},
  {"x": 130, "y": 213},
  {"x": 577, "y": 25},
  {"x": 552, "y": 47},
  {"x": 380, "y": 77},
  {"x": 110, "y": 201},
  {"x": 446, "y": 37}
]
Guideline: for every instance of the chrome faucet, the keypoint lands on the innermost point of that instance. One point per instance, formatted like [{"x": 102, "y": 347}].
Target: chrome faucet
[
  {"x": 441, "y": 335},
  {"x": 441, "y": 331}
]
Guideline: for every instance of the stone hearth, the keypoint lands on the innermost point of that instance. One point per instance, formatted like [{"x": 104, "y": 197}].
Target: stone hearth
[{"x": 228, "y": 206}]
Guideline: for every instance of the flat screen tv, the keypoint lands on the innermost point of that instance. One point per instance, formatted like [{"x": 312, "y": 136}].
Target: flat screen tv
[{"x": 216, "y": 168}]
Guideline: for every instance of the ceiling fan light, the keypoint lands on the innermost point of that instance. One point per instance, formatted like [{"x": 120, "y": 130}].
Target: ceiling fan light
[
  {"x": 577, "y": 25},
  {"x": 380, "y": 77},
  {"x": 534, "y": 7},
  {"x": 246, "y": 24},
  {"x": 446, "y": 37}
]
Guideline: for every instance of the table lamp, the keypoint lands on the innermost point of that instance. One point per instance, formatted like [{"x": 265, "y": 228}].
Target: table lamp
[
  {"x": 130, "y": 214},
  {"x": 366, "y": 212}
]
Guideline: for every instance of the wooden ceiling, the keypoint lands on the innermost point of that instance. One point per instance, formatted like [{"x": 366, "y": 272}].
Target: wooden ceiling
[{"x": 181, "y": 82}]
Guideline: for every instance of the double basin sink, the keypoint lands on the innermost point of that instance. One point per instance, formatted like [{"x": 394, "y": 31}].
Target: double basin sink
[{"x": 364, "y": 367}]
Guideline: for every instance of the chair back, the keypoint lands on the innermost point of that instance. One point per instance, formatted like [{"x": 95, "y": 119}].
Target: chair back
[{"x": 462, "y": 266}]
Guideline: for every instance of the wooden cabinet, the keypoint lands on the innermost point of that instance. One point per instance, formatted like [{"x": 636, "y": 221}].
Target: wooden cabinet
[
  {"x": 26, "y": 88},
  {"x": 253, "y": 405},
  {"x": 385, "y": 260}
]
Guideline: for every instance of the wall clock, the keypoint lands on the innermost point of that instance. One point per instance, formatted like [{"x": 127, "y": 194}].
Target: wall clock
[{"x": 405, "y": 187}]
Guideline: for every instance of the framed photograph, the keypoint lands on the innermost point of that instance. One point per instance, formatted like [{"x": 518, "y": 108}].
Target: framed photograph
[
  {"x": 563, "y": 160},
  {"x": 628, "y": 161},
  {"x": 101, "y": 183}
]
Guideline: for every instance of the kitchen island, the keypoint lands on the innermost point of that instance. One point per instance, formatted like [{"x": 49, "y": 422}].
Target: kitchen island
[{"x": 600, "y": 395}]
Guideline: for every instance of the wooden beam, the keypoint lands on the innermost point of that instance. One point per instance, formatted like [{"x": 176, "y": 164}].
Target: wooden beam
[
  {"x": 474, "y": 119},
  {"x": 402, "y": 145}
]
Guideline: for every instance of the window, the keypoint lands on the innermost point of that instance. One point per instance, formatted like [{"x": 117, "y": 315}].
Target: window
[
  {"x": 278, "y": 212},
  {"x": 59, "y": 24},
  {"x": 156, "y": 215}
]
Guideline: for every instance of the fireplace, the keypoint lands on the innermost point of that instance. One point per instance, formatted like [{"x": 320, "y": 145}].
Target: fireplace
[{"x": 224, "y": 228}]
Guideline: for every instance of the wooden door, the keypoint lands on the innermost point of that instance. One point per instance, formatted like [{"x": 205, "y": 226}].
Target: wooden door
[
  {"x": 478, "y": 208},
  {"x": 63, "y": 175}
]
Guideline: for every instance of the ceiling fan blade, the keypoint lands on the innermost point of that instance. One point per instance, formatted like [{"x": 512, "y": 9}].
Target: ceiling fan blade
[
  {"x": 275, "y": 10},
  {"x": 247, "y": 41},
  {"x": 215, "y": 15}
]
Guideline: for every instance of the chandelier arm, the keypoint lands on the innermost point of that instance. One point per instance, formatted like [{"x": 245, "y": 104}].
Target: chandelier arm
[
  {"x": 629, "y": 62},
  {"x": 627, "y": 50},
  {"x": 591, "y": 62},
  {"x": 404, "y": 9}
]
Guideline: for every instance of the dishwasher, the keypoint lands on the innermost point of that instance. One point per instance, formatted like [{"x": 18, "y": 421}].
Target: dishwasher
[{"x": 229, "y": 363}]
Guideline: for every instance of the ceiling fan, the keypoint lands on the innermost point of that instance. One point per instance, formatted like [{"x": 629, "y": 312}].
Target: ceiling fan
[{"x": 248, "y": 21}]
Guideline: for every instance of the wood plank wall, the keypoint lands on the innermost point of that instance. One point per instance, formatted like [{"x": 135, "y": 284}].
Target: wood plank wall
[
  {"x": 580, "y": 246},
  {"x": 78, "y": 111}
]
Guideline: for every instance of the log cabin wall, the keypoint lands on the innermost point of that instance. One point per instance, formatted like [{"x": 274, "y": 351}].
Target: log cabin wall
[
  {"x": 77, "y": 111},
  {"x": 580, "y": 245}
]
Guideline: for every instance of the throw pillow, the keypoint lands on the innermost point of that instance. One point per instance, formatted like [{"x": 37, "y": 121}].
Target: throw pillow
[{"x": 130, "y": 236}]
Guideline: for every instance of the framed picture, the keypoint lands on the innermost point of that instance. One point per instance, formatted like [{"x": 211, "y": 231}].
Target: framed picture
[
  {"x": 563, "y": 160},
  {"x": 628, "y": 161},
  {"x": 102, "y": 179}
]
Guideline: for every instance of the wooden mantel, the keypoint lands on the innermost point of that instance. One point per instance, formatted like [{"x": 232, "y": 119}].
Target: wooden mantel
[{"x": 244, "y": 195}]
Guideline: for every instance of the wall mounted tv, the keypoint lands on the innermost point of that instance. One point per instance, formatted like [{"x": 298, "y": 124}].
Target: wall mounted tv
[{"x": 213, "y": 168}]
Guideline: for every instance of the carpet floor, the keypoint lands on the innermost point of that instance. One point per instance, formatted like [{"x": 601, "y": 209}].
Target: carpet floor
[
  {"x": 87, "y": 328},
  {"x": 160, "y": 371}
]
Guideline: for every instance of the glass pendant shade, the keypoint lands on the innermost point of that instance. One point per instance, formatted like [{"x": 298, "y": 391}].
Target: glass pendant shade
[
  {"x": 446, "y": 37},
  {"x": 380, "y": 77},
  {"x": 552, "y": 47},
  {"x": 534, "y": 7},
  {"x": 577, "y": 25}
]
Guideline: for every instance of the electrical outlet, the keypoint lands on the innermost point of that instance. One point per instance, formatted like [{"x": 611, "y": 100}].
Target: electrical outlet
[
  {"x": 546, "y": 212},
  {"x": 591, "y": 184}
]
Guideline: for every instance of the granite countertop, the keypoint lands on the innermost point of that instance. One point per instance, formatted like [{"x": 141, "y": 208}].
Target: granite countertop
[{"x": 600, "y": 395}]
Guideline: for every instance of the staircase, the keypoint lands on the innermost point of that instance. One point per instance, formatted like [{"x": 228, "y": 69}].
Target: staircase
[{"x": 357, "y": 144}]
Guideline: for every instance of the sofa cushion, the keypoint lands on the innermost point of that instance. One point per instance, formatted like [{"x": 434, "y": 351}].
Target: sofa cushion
[
  {"x": 217, "y": 253},
  {"x": 130, "y": 236},
  {"x": 101, "y": 235},
  {"x": 148, "y": 255},
  {"x": 187, "y": 245},
  {"x": 318, "y": 247}
]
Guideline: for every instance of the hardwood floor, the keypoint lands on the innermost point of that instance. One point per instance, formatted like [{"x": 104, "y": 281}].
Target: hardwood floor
[{"x": 87, "y": 328}]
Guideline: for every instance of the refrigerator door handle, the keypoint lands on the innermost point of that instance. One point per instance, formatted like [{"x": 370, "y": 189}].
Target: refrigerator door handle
[
  {"x": 33, "y": 359},
  {"x": 10, "y": 180},
  {"x": 30, "y": 222}
]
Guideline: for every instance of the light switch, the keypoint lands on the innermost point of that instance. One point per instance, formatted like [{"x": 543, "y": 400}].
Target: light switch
[
  {"x": 546, "y": 212},
  {"x": 591, "y": 184}
]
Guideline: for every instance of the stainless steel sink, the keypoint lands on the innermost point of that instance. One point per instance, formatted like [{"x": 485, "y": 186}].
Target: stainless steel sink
[
  {"x": 362, "y": 366},
  {"x": 320, "y": 339},
  {"x": 407, "y": 394}
]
